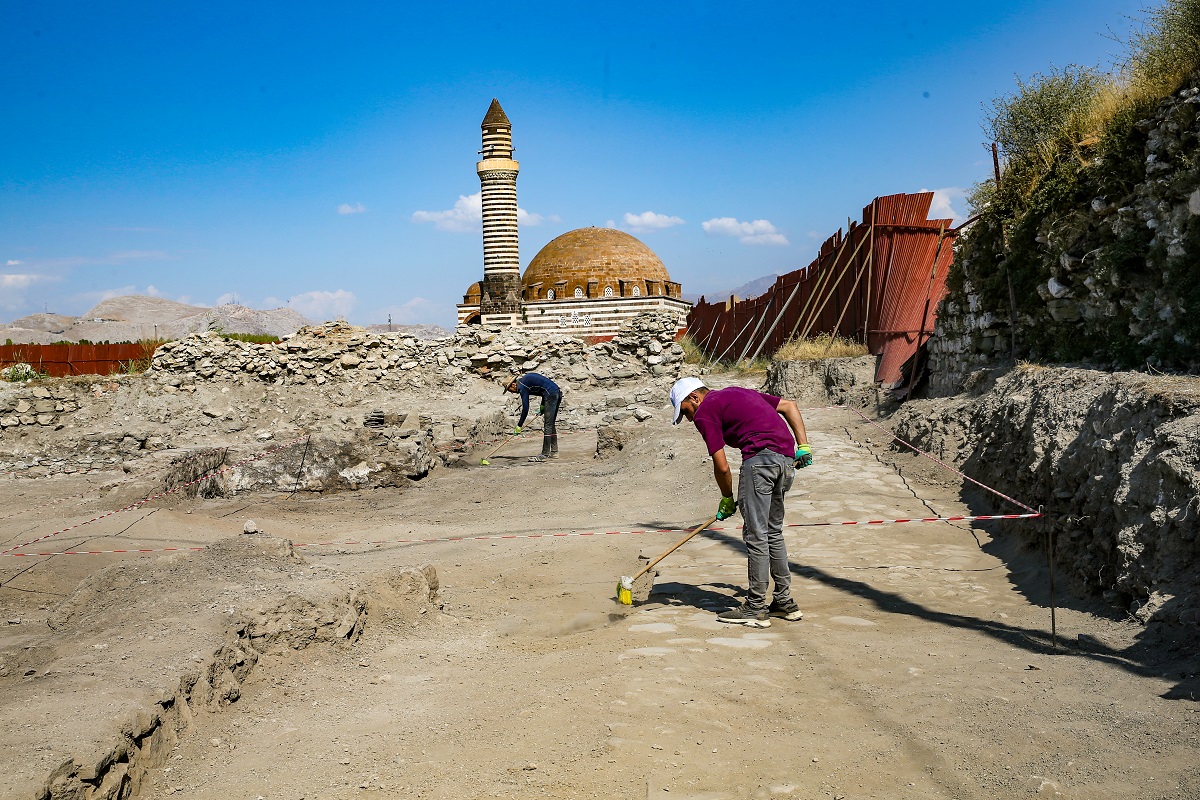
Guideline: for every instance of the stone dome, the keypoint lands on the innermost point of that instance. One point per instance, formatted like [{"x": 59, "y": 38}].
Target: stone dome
[
  {"x": 473, "y": 294},
  {"x": 595, "y": 262}
]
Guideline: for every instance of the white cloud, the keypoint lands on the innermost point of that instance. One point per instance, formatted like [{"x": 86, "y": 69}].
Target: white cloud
[
  {"x": 321, "y": 305},
  {"x": 417, "y": 311},
  {"x": 650, "y": 221},
  {"x": 526, "y": 218},
  {"x": 346, "y": 208},
  {"x": 760, "y": 231},
  {"x": 20, "y": 281},
  {"x": 944, "y": 201},
  {"x": 136, "y": 255},
  {"x": 14, "y": 285},
  {"x": 12, "y": 262},
  {"x": 467, "y": 216}
]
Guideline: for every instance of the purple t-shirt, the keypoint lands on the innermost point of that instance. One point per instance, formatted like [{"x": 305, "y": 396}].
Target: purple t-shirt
[{"x": 745, "y": 419}]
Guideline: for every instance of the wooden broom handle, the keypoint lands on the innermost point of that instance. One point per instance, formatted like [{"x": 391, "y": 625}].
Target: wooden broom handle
[{"x": 673, "y": 548}]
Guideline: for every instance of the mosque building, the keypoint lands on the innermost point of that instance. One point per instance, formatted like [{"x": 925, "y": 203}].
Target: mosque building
[{"x": 586, "y": 282}]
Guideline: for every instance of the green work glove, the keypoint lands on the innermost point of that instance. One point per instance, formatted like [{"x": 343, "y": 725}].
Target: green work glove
[
  {"x": 727, "y": 508},
  {"x": 518, "y": 430},
  {"x": 541, "y": 409},
  {"x": 803, "y": 456}
]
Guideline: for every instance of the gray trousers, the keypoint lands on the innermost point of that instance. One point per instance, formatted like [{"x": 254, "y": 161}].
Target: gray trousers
[{"x": 765, "y": 479}]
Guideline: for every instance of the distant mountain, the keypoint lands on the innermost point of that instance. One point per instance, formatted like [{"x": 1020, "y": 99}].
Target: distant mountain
[
  {"x": 752, "y": 289},
  {"x": 134, "y": 317}
]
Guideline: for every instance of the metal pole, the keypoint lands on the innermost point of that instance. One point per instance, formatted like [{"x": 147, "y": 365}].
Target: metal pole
[
  {"x": 778, "y": 317},
  {"x": 1053, "y": 607},
  {"x": 761, "y": 320},
  {"x": 845, "y": 308},
  {"x": 832, "y": 289},
  {"x": 818, "y": 284}
]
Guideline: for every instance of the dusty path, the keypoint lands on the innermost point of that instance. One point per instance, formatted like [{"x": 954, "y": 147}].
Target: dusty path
[{"x": 922, "y": 669}]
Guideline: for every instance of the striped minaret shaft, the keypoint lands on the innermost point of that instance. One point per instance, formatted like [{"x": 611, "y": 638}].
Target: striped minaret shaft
[{"x": 498, "y": 181}]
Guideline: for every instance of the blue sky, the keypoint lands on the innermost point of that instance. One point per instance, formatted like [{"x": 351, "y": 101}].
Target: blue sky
[{"x": 322, "y": 155}]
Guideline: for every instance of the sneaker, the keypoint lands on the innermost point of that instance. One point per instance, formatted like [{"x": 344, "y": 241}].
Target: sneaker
[
  {"x": 788, "y": 610},
  {"x": 536, "y": 459},
  {"x": 745, "y": 615}
]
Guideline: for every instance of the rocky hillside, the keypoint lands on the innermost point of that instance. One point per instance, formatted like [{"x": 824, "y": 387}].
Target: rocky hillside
[
  {"x": 1103, "y": 268},
  {"x": 134, "y": 317}
]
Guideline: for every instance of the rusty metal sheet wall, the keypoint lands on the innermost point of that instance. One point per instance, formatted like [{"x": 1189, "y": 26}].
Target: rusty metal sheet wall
[
  {"x": 876, "y": 283},
  {"x": 59, "y": 360}
]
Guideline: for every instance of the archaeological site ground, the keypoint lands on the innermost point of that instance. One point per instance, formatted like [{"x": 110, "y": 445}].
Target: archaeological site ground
[{"x": 401, "y": 621}]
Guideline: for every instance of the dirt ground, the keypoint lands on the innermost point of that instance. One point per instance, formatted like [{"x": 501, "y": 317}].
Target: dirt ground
[{"x": 923, "y": 667}]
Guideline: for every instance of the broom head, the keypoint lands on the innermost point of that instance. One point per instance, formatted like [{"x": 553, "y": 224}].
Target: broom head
[{"x": 625, "y": 591}]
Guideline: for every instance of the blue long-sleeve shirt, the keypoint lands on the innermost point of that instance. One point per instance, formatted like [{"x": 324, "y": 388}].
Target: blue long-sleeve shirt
[{"x": 532, "y": 383}]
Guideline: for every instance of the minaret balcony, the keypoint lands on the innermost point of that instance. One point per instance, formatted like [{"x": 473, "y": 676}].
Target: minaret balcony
[{"x": 492, "y": 164}]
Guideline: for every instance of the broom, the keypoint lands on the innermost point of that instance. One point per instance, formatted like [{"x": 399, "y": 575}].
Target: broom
[
  {"x": 625, "y": 585},
  {"x": 484, "y": 461}
]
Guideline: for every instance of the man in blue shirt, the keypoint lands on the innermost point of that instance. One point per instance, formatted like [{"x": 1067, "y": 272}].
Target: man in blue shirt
[{"x": 543, "y": 387}]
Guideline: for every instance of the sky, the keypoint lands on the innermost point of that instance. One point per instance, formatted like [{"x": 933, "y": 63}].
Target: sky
[{"x": 322, "y": 155}]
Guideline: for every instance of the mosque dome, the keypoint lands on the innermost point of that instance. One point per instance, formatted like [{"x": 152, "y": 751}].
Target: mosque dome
[
  {"x": 593, "y": 263},
  {"x": 473, "y": 293}
]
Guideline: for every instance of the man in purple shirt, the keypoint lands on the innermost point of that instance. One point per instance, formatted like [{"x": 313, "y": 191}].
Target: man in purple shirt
[{"x": 770, "y": 433}]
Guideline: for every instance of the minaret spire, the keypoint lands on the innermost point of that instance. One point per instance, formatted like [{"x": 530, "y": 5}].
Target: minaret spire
[{"x": 500, "y": 297}]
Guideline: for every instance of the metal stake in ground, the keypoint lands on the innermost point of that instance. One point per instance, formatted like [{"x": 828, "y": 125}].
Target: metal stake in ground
[{"x": 625, "y": 585}]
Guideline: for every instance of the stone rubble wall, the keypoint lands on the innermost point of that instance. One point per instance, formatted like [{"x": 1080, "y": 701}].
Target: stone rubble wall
[
  {"x": 31, "y": 405},
  {"x": 1115, "y": 260},
  {"x": 1112, "y": 458},
  {"x": 337, "y": 352},
  {"x": 208, "y": 393}
]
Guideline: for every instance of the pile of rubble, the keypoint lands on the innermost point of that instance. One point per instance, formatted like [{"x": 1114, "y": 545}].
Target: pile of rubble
[
  {"x": 320, "y": 386},
  {"x": 337, "y": 351}
]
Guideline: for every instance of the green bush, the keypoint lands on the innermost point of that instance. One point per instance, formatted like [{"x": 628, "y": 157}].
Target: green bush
[
  {"x": 19, "y": 372},
  {"x": 254, "y": 338},
  {"x": 1165, "y": 50},
  {"x": 1047, "y": 117}
]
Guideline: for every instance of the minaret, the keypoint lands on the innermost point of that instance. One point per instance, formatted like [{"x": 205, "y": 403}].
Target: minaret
[{"x": 500, "y": 296}]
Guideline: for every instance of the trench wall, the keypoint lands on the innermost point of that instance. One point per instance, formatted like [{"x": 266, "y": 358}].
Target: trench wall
[{"x": 1113, "y": 459}]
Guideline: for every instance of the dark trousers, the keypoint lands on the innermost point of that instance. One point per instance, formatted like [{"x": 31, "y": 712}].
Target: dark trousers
[{"x": 549, "y": 417}]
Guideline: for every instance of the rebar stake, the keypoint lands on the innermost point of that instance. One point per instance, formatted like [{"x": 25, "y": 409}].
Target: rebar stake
[{"x": 1053, "y": 616}]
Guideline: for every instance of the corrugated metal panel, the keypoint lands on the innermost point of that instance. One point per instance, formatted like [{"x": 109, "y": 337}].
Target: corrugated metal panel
[{"x": 877, "y": 283}]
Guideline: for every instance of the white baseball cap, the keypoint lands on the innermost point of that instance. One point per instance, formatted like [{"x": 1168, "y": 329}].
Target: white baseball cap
[{"x": 679, "y": 392}]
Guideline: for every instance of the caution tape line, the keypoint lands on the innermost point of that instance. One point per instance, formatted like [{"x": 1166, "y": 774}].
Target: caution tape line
[
  {"x": 939, "y": 462},
  {"x": 160, "y": 495},
  {"x": 566, "y": 535},
  {"x": 103, "y": 552},
  {"x": 960, "y": 518}
]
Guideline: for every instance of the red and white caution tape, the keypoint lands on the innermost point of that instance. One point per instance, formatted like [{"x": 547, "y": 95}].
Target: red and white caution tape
[
  {"x": 143, "y": 501},
  {"x": 931, "y": 457},
  {"x": 559, "y": 535}
]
